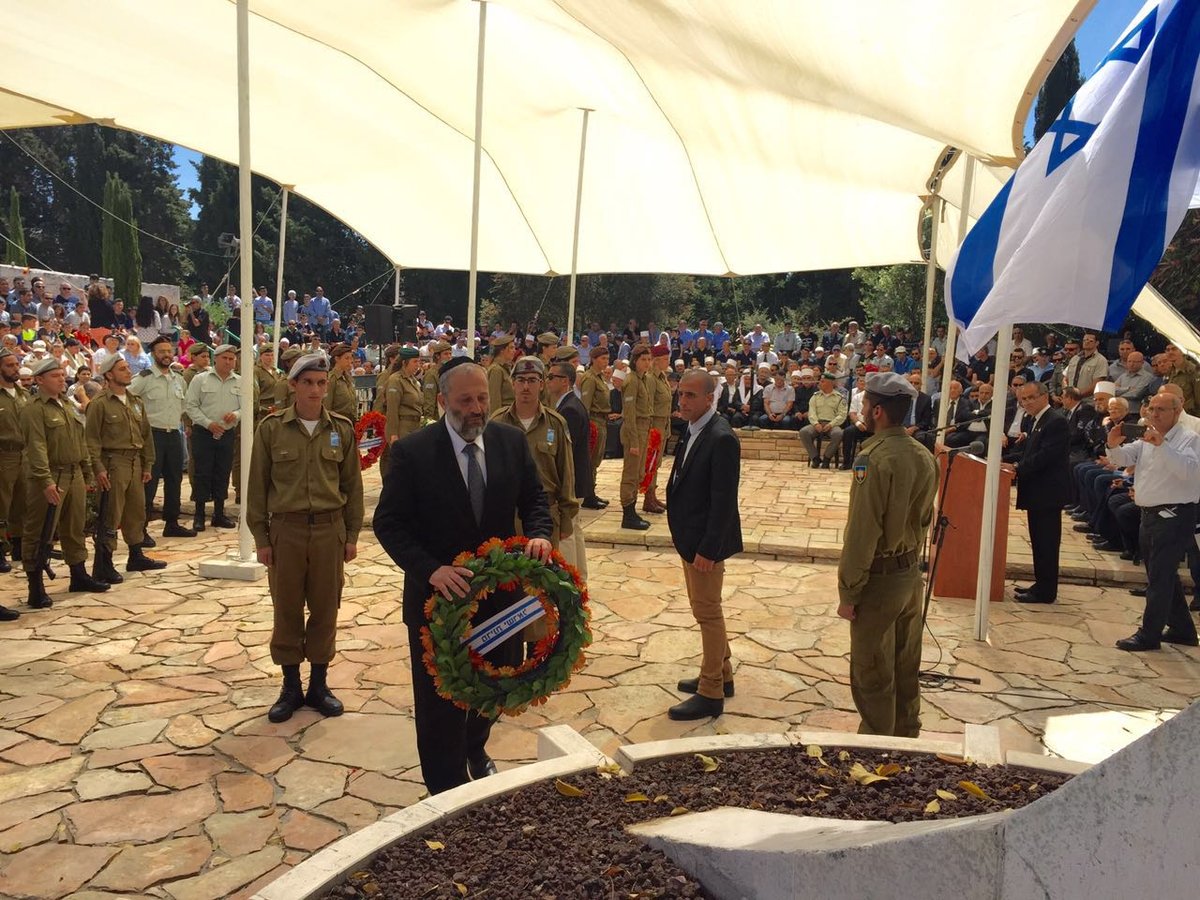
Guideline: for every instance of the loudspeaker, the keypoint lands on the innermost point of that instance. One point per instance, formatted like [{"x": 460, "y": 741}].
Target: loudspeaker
[
  {"x": 379, "y": 327},
  {"x": 405, "y": 323}
]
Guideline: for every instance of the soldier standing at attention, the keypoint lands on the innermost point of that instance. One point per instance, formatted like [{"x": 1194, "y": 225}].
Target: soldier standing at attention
[
  {"x": 214, "y": 404},
  {"x": 499, "y": 373},
  {"x": 283, "y": 393},
  {"x": 660, "y": 417},
  {"x": 547, "y": 345},
  {"x": 402, "y": 404},
  {"x": 266, "y": 381},
  {"x": 439, "y": 353},
  {"x": 635, "y": 425},
  {"x": 13, "y": 398},
  {"x": 385, "y": 372},
  {"x": 549, "y": 443},
  {"x": 595, "y": 396},
  {"x": 879, "y": 581},
  {"x": 121, "y": 451},
  {"x": 340, "y": 397},
  {"x": 201, "y": 359},
  {"x": 305, "y": 510},
  {"x": 161, "y": 390},
  {"x": 56, "y": 471}
]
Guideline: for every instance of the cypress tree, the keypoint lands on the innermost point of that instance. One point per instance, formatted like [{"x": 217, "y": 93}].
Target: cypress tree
[
  {"x": 1061, "y": 85},
  {"x": 119, "y": 249},
  {"x": 16, "y": 228}
]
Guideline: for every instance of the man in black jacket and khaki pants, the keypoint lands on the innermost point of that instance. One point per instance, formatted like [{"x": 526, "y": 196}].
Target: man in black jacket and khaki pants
[{"x": 702, "y": 514}]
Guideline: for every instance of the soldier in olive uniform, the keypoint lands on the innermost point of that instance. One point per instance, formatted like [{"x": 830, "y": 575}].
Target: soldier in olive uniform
[
  {"x": 56, "y": 472},
  {"x": 214, "y": 404},
  {"x": 266, "y": 382},
  {"x": 594, "y": 393},
  {"x": 635, "y": 427},
  {"x": 402, "y": 399},
  {"x": 385, "y": 372},
  {"x": 660, "y": 417},
  {"x": 161, "y": 389},
  {"x": 499, "y": 373},
  {"x": 879, "y": 581},
  {"x": 283, "y": 393},
  {"x": 340, "y": 397},
  {"x": 13, "y": 398},
  {"x": 121, "y": 451},
  {"x": 547, "y": 346},
  {"x": 201, "y": 357},
  {"x": 439, "y": 353},
  {"x": 305, "y": 510}
]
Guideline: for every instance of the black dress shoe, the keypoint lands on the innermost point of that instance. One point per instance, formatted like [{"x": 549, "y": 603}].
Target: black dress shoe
[
  {"x": 8, "y": 615},
  {"x": 1183, "y": 640},
  {"x": 1127, "y": 554},
  {"x": 1136, "y": 643},
  {"x": 696, "y": 707},
  {"x": 593, "y": 503},
  {"x": 223, "y": 521},
  {"x": 1081, "y": 516},
  {"x": 1138, "y": 592},
  {"x": 1033, "y": 597},
  {"x": 322, "y": 700},
  {"x": 691, "y": 685},
  {"x": 481, "y": 767},
  {"x": 1106, "y": 546},
  {"x": 290, "y": 700},
  {"x": 147, "y": 541},
  {"x": 1082, "y": 528},
  {"x": 174, "y": 529}
]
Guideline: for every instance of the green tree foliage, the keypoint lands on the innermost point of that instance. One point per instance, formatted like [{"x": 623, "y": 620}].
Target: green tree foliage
[
  {"x": 121, "y": 257},
  {"x": 895, "y": 295},
  {"x": 16, "y": 254},
  {"x": 1061, "y": 85},
  {"x": 1178, "y": 275}
]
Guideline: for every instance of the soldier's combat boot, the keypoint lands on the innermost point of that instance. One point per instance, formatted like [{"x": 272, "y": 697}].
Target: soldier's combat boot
[
  {"x": 5, "y": 565},
  {"x": 81, "y": 581},
  {"x": 103, "y": 569},
  {"x": 198, "y": 518},
  {"x": 38, "y": 598},
  {"x": 319, "y": 697},
  {"x": 630, "y": 519},
  {"x": 291, "y": 698},
  {"x": 140, "y": 562},
  {"x": 219, "y": 519}
]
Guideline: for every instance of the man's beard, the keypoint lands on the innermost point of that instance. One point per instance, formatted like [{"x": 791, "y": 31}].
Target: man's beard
[{"x": 467, "y": 430}]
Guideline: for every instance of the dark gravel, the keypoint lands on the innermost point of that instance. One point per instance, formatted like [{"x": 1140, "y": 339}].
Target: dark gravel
[{"x": 539, "y": 843}]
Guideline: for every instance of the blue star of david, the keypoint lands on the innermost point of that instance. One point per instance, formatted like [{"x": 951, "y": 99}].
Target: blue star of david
[
  {"x": 1065, "y": 127},
  {"x": 1143, "y": 32}
]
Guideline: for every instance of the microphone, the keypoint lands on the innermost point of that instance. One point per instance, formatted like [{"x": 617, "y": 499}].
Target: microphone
[{"x": 975, "y": 448}]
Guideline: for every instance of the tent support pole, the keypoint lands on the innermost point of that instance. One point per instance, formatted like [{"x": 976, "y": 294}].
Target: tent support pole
[
  {"x": 246, "y": 269},
  {"x": 935, "y": 208},
  {"x": 287, "y": 189},
  {"x": 575, "y": 236},
  {"x": 472, "y": 286},
  {"x": 991, "y": 484},
  {"x": 952, "y": 329}
]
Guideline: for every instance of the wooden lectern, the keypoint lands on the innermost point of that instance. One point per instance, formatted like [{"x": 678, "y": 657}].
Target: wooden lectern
[{"x": 962, "y": 505}]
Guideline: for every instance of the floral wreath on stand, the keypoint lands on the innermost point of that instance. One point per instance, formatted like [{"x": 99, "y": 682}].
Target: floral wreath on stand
[
  {"x": 653, "y": 458},
  {"x": 463, "y": 676},
  {"x": 369, "y": 437}
]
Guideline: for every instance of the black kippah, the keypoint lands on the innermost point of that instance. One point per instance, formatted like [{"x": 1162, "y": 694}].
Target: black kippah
[
  {"x": 453, "y": 363},
  {"x": 161, "y": 339}
]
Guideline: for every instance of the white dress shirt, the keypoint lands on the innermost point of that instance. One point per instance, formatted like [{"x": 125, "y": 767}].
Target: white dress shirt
[
  {"x": 458, "y": 443},
  {"x": 1166, "y": 474},
  {"x": 694, "y": 428}
]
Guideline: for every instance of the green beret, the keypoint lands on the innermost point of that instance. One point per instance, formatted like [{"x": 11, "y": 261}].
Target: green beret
[
  {"x": 49, "y": 364},
  {"x": 564, "y": 354},
  {"x": 291, "y": 353},
  {"x": 199, "y": 348},
  {"x": 548, "y": 339},
  {"x": 409, "y": 353},
  {"x": 503, "y": 341},
  {"x": 439, "y": 347}
]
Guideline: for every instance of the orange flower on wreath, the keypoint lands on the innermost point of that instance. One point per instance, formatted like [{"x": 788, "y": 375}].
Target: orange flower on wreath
[{"x": 489, "y": 545}]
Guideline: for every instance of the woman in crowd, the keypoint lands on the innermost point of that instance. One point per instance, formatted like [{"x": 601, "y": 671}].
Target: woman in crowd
[
  {"x": 146, "y": 321},
  {"x": 100, "y": 312}
]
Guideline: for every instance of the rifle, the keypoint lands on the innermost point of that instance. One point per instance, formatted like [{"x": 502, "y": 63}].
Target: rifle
[{"x": 46, "y": 542}]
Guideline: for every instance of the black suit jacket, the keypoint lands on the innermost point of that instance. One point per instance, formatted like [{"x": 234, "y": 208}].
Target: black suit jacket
[
  {"x": 1079, "y": 427},
  {"x": 923, "y": 413},
  {"x": 1043, "y": 471},
  {"x": 702, "y": 494},
  {"x": 424, "y": 519},
  {"x": 578, "y": 424}
]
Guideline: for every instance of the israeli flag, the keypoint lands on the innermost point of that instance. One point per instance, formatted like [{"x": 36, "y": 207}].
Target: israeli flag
[{"x": 1075, "y": 234}]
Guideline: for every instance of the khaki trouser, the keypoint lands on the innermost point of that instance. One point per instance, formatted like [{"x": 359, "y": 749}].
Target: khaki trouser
[
  {"x": 308, "y": 570},
  {"x": 704, "y": 593},
  {"x": 68, "y": 517},
  {"x": 126, "y": 497},
  {"x": 12, "y": 497},
  {"x": 664, "y": 428},
  {"x": 574, "y": 551},
  {"x": 885, "y": 655},
  {"x": 632, "y": 469},
  {"x": 597, "y": 452}
]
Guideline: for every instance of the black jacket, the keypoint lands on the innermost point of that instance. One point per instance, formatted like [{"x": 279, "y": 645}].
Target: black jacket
[
  {"x": 1043, "y": 472},
  {"x": 702, "y": 494},
  {"x": 578, "y": 424},
  {"x": 1080, "y": 421},
  {"x": 424, "y": 520}
]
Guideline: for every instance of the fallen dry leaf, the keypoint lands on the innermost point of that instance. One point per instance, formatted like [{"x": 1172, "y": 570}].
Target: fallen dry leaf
[
  {"x": 662, "y": 798},
  {"x": 843, "y": 755},
  {"x": 679, "y": 811},
  {"x": 461, "y": 888},
  {"x": 932, "y": 807},
  {"x": 435, "y": 845},
  {"x": 953, "y": 760},
  {"x": 946, "y": 795},
  {"x": 814, "y": 751},
  {"x": 636, "y": 797},
  {"x": 974, "y": 790},
  {"x": 860, "y": 774},
  {"x": 707, "y": 762},
  {"x": 887, "y": 770},
  {"x": 567, "y": 790}
]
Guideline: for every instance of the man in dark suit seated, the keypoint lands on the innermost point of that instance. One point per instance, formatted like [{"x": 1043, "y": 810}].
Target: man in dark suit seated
[
  {"x": 961, "y": 410},
  {"x": 1042, "y": 488},
  {"x": 451, "y": 486},
  {"x": 702, "y": 513},
  {"x": 918, "y": 424}
]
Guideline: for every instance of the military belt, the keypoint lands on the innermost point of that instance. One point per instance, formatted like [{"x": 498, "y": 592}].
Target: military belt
[
  {"x": 166, "y": 430},
  {"x": 129, "y": 452},
  {"x": 11, "y": 448},
  {"x": 302, "y": 518},
  {"x": 886, "y": 565}
]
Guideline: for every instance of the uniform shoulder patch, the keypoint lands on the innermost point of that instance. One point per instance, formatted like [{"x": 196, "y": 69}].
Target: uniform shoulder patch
[
  {"x": 860, "y": 467},
  {"x": 144, "y": 373},
  {"x": 338, "y": 416}
]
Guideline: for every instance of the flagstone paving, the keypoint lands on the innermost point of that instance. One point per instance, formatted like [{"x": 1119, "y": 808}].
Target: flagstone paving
[{"x": 136, "y": 759}]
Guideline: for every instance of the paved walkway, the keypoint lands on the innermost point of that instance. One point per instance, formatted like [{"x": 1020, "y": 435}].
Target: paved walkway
[{"x": 136, "y": 758}]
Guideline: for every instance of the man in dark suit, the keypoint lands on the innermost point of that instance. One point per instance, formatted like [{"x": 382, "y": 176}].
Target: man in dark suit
[
  {"x": 918, "y": 424},
  {"x": 452, "y": 486},
  {"x": 560, "y": 386},
  {"x": 702, "y": 514},
  {"x": 1042, "y": 488}
]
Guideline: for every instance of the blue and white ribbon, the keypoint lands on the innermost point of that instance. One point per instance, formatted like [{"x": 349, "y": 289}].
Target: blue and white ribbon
[{"x": 491, "y": 633}]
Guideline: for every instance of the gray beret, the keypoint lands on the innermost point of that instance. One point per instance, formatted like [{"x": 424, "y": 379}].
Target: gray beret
[
  {"x": 109, "y": 361},
  {"x": 42, "y": 366},
  {"x": 529, "y": 365},
  {"x": 889, "y": 384},
  {"x": 314, "y": 361},
  {"x": 225, "y": 348}
]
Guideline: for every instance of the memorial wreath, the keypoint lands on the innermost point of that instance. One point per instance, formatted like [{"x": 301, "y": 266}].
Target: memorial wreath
[
  {"x": 452, "y": 645},
  {"x": 369, "y": 437}
]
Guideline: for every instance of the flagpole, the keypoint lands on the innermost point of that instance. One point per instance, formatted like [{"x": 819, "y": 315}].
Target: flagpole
[
  {"x": 472, "y": 286},
  {"x": 991, "y": 483},
  {"x": 575, "y": 238},
  {"x": 287, "y": 189},
  {"x": 964, "y": 222},
  {"x": 935, "y": 207}
]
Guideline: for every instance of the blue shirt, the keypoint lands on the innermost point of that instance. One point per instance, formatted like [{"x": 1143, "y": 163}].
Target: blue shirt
[
  {"x": 319, "y": 307},
  {"x": 719, "y": 338},
  {"x": 291, "y": 311},
  {"x": 905, "y": 364},
  {"x": 264, "y": 310}
]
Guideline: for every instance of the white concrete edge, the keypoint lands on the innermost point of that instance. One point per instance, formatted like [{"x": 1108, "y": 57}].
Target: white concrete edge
[
  {"x": 631, "y": 755},
  {"x": 875, "y": 742},
  {"x": 563, "y": 740},
  {"x": 232, "y": 569},
  {"x": 1055, "y": 764},
  {"x": 330, "y": 866},
  {"x": 981, "y": 744}
]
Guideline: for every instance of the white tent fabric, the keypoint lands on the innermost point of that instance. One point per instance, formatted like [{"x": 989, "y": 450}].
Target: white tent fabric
[{"x": 727, "y": 137}]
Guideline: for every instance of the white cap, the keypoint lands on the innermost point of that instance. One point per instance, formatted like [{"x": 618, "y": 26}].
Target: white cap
[{"x": 1104, "y": 387}]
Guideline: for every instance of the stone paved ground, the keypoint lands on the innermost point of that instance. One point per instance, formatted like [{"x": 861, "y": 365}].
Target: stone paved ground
[{"x": 136, "y": 759}]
